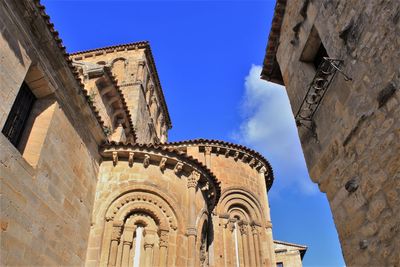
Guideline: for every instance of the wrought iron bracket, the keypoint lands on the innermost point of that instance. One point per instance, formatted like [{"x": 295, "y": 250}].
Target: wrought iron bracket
[{"x": 324, "y": 75}]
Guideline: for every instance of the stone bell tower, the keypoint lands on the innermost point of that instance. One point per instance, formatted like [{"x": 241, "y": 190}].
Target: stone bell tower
[{"x": 136, "y": 75}]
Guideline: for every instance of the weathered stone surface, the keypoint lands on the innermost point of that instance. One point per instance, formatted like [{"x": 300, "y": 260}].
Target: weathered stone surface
[{"x": 357, "y": 123}]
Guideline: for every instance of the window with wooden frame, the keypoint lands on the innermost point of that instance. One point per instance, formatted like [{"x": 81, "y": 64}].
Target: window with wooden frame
[{"x": 19, "y": 114}]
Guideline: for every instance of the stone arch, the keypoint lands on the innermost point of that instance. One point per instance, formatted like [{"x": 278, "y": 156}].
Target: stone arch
[
  {"x": 155, "y": 216},
  {"x": 167, "y": 200},
  {"x": 141, "y": 200},
  {"x": 118, "y": 67},
  {"x": 242, "y": 226},
  {"x": 238, "y": 198}
]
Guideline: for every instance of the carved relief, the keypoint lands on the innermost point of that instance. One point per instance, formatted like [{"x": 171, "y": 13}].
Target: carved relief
[
  {"x": 178, "y": 168},
  {"x": 163, "y": 163},
  {"x": 146, "y": 161}
]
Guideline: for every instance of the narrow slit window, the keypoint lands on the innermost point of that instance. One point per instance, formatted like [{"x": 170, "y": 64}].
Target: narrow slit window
[{"x": 18, "y": 116}]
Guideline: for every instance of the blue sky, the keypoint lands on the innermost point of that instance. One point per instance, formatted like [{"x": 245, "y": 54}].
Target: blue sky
[{"x": 209, "y": 55}]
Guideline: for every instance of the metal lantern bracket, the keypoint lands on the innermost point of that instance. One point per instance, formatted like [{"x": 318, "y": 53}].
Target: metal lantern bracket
[{"x": 324, "y": 75}]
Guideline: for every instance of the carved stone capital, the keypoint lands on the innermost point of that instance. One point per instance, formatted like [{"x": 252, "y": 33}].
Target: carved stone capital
[
  {"x": 148, "y": 245},
  {"x": 254, "y": 230},
  {"x": 243, "y": 228},
  {"x": 268, "y": 225},
  {"x": 207, "y": 150},
  {"x": 116, "y": 232},
  {"x": 231, "y": 225},
  {"x": 191, "y": 231},
  {"x": 193, "y": 179},
  {"x": 127, "y": 242},
  {"x": 163, "y": 239}
]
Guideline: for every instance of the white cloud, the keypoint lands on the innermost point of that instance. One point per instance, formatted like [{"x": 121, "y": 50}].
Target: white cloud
[{"x": 268, "y": 126}]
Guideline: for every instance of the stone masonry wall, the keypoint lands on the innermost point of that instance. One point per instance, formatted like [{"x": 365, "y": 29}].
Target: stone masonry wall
[
  {"x": 357, "y": 135},
  {"x": 46, "y": 195},
  {"x": 134, "y": 78}
]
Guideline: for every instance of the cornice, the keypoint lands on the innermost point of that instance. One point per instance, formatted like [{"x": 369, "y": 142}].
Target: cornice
[
  {"x": 238, "y": 152},
  {"x": 270, "y": 65},
  {"x": 179, "y": 162}
]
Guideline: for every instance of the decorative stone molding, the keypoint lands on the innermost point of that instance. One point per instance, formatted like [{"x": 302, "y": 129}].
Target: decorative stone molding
[
  {"x": 146, "y": 203},
  {"x": 207, "y": 150},
  {"x": 180, "y": 163}
]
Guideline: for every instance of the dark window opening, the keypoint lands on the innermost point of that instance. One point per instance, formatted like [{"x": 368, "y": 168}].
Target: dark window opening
[
  {"x": 18, "y": 116},
  {"x": 319, "y": 57},
  {"x": 314, "y": 50},
  {"x": 279, "y": 264}
]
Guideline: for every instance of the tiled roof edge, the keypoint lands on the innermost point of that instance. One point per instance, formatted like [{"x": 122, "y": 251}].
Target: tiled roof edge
[{"x": 273, "y": 40}]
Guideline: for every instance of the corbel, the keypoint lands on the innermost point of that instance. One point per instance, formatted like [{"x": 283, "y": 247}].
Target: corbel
[
  {"x": 178, "y": 168},
  {"x": 262, "y": 170},
  {"x": 163, "y": 163},
  {"x": 207, "y": 150},
  {"x": 115, "y": 157},
  {"x": 218, "y": 151},
  {"x": 245, "y": 157},
  {"x": 130, "y": 158},
  {"x": 252, "y": 162},
  {"x": 227, "y": 153},
  {"x": 146, "y": 161},
  {"x": 236, "y": 155}
]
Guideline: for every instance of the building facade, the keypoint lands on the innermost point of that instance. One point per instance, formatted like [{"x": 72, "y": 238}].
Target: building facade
[
  {"x": 339, "y": 61},
  {"x": 88, "y": 177}
]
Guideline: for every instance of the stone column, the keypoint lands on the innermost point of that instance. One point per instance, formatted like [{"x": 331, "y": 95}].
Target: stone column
[
  {"x": 240, "y": 245},
  {"x": 140, "y": 71},
  {"x": 163, "y": 248},
  {"x": 268, "y": 230},
  {"x": 127, "y": 245},
  {"x": 191, "y": 230},
  {"x": 245, "y": 242},
  {"x": 256, "y": 246},
  {"x": 115, "y": 238},
  {"x": 148, "y": 253},
  {"x": 230, "y": 245}
]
